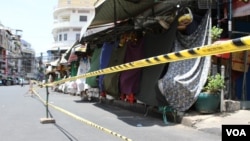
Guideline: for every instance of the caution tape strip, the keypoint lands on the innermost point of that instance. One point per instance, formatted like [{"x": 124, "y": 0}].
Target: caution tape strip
[
  {"x": 82, "y": 119},
  {"x": 234, "y": 45}
]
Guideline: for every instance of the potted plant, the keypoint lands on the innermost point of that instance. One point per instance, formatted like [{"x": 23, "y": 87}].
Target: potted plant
[
  {"x": 216, "y": 33},
  {"x": 208, "y": 100}
]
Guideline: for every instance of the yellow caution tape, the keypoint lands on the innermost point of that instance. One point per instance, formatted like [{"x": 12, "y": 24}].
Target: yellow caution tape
[
  {"x": 234, "y": 45},
  {"x": 221, "y": 47},
  {"x": 82, "y": 119}
]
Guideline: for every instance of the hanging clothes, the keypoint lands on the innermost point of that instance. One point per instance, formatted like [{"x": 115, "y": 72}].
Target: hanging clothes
[
  {"x": 72, "y": 56},
  {"x": 111, "y": 81},
  {"x": 105, "y": 55},
  {"x": 94, "y": 65},
  {"x": 73, "y": 68},
  {"x": 130, "y": 79},
  {"x": 83, "y": 68}
]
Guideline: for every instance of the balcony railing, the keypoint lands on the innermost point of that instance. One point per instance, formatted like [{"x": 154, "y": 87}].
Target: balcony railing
[
  {"x": 65, "y": 4},
  {"x": 67, "y": 24},
  {"x": 63, "y": 45}
]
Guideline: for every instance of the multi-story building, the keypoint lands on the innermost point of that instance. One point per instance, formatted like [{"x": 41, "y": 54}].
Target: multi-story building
[
  {"x": 27, "y": 68},
  {"x": 16, "y": 57},
  {"x": 69, "y": 18},
  {"x": 3, "y": 47},
  {"x": 7, "y": 63}
]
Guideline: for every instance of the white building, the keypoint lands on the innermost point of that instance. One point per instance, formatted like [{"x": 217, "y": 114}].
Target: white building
[{"x": 70, "y": 16}]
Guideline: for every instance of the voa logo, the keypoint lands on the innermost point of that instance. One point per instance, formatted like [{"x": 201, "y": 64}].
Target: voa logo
[{"x": 236, "y": 132}]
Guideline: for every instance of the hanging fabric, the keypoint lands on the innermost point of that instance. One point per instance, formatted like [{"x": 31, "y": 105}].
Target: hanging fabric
[
  {"x": 105, "y": 55},
  {"x": 130, "y": 79},
  {"x": 185, "y": 79},
  {"x": 155, "y": 44},
  {"x": 94, "y": 65},
  {"x": 111, "y": 81},
  {"x": 73, "y": 68},
  {"x": 83, "y": 68}
]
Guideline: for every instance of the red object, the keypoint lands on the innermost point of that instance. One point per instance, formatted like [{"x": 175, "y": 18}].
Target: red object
[
  {"x": 224, "y": 56},
  {"x": 131, "y": 98},
  {"x": 103, "y": 94}
]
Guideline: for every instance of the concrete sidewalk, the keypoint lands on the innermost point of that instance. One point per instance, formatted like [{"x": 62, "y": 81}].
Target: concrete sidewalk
[{"x": 213, "y": 122}]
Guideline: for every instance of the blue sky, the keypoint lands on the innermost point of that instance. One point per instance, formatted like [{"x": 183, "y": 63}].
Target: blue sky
[{"x": 34, "y": 17}]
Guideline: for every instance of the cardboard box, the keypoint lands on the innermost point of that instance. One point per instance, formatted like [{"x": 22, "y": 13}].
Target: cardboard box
[
  {"x": 239, "y": 56},
  {"x": 239, "y": 66}
]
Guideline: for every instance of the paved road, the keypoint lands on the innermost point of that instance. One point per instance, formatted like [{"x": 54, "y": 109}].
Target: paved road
[{"x": 90, "y": 121}]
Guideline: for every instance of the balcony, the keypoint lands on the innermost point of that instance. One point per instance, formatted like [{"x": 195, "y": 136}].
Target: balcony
[
  {"x": 12, "y": 64},
  {"x": 63, "y": 45},
  {"x": 66, "y": 24},
  {"x": 28, "y": 50},
  {"x": 63, "y": 9},
  {"x": 74, "y": 4},
  {"x": 2, "y": 60}
]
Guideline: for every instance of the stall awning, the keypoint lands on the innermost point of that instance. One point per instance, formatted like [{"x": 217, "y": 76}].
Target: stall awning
[
  {"x": 80, "y": 48},
  {"x": 55, "y": 62},
  {"x": 136, "y": 13},
  {"x": 124, "y": 10}
]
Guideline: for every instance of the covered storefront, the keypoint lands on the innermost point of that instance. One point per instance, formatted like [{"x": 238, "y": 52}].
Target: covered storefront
[{"x": 124, "y": 31}]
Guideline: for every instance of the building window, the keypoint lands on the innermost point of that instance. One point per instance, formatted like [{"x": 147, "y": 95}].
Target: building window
[
  {"x": 83, "y": 18},
  {"x": 60, "y": 37},
  {"x": 65, "y": 37},
  {"x": 77, "y": 36}
]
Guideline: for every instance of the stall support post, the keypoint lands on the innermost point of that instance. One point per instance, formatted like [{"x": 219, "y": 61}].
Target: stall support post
[
  {"x": 47, "y": 119},
  {"x": 47, "y": 97}
]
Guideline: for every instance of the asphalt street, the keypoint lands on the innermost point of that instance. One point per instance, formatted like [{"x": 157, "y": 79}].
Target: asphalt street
[{"x": 76, "y": 120}]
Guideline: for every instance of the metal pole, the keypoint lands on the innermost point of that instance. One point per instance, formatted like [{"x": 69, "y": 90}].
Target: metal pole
[
  {"x": 230, "y": 14},
  {"x": 218, "y": 25},
  {"x": 244, "y": 86},
  {"x": 47, "y": 97},
  {"x": 218, "y": 12},
  {"x": 41, "y": 71},
  {"x": 222, "y": 106}
]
